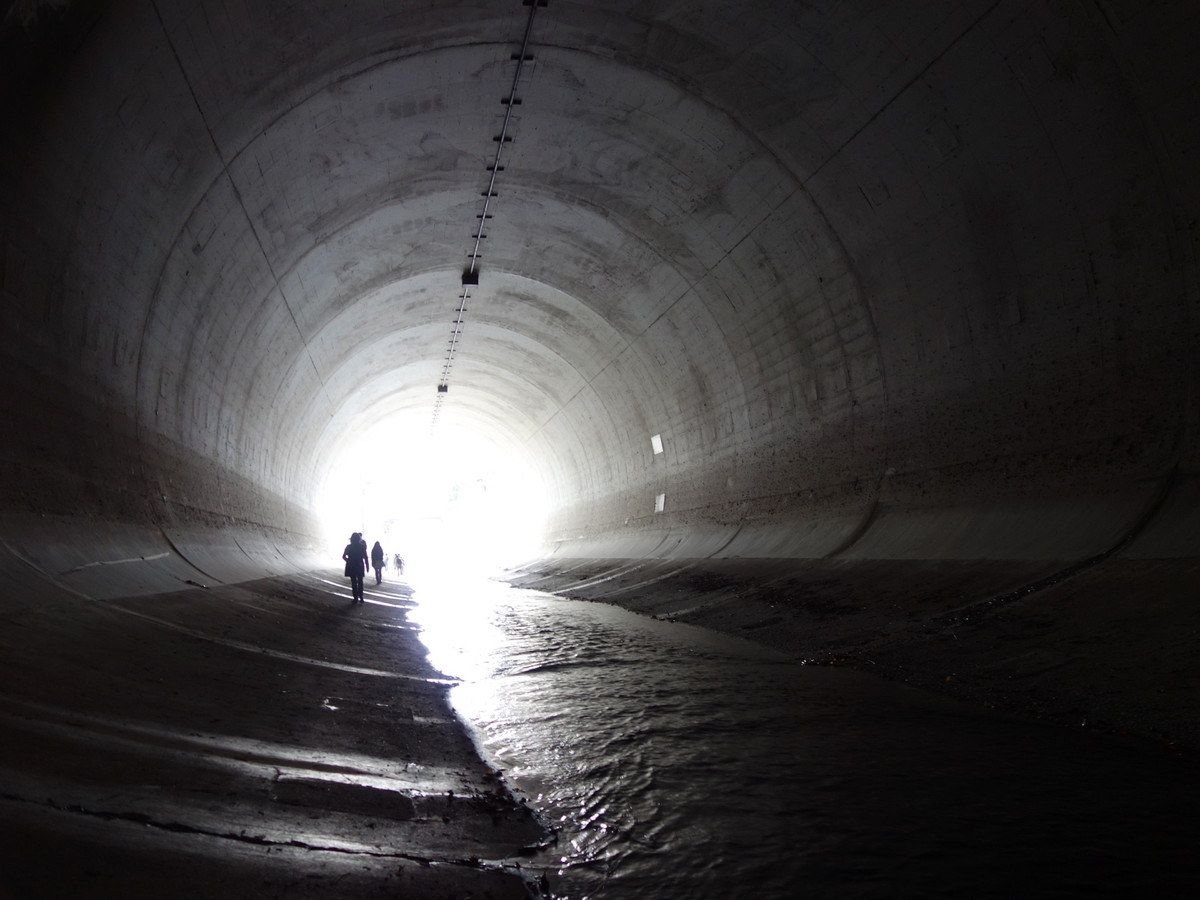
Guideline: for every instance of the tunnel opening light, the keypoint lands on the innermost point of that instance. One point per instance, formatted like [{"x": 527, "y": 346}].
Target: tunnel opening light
[
  {"x": 656, "y": 443},
  {"x": 449, "y": 500}
]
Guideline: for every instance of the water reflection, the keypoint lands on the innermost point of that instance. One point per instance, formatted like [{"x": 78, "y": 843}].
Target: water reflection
[{"x": 678, "y": 763}]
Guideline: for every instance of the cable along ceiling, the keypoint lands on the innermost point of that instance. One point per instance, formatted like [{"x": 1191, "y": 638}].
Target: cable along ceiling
[{"x": 470, "y": 275}]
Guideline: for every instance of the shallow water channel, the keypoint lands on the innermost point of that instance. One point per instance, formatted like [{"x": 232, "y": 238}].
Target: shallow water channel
[{"x": 673, "y": 762}]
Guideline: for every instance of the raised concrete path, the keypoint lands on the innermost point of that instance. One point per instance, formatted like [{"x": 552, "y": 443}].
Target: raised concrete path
[{"x": 265, "y": 739}]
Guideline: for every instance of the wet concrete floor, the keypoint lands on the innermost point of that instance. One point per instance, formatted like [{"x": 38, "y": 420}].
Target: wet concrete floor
[{"x": 263, "y": 739}]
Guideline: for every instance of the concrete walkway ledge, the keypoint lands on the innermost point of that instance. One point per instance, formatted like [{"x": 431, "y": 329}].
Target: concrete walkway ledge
[{"x": 263, "y": 739}]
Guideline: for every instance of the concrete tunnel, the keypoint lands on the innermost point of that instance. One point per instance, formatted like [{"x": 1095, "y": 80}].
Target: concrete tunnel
[{"x": 819, "y": 323}]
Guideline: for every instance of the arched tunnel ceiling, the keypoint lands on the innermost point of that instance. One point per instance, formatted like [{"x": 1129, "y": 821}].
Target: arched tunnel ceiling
[
  {"x": 620, "y": 193},
  {"x": 837, "y": 254}
]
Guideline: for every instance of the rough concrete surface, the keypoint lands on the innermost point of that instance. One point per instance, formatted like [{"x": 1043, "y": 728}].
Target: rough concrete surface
[
  {"x": 271, "y": 739},
  {"x": 866, "y": 329}
]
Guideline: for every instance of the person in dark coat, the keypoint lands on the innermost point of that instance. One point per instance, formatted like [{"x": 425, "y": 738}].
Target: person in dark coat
[
  {"x": 377, "y": 561},
  {"x": 355, "y": 556}
]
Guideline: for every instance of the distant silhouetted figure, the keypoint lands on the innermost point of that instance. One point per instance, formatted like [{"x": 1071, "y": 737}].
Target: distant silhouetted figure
[
  {"x": 399, "y": 564},
  {"x": 377, "y": 561},
  {"x": 355, "y": 556}
]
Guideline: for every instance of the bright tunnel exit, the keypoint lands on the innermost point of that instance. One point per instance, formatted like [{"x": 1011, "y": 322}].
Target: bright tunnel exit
[{"x": 453, "y": 500}]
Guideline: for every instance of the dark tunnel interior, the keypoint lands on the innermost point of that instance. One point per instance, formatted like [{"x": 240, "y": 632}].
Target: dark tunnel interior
[{"x": 864, "y": 330}]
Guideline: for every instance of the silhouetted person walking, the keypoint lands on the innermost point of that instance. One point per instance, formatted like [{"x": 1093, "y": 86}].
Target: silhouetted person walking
[
  {"x": 355, "y": 556},
  {"x": 377, "y": 561}
]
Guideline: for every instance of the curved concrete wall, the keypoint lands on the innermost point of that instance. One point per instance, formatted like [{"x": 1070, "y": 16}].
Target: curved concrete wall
[{"x": 890, "y": 281}]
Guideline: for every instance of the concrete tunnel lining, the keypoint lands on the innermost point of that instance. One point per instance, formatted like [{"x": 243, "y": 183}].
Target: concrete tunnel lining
[
  {"x": 632, "y": 124},
  {"x": 301, "y": 298},
  {"x": 908, "y": 291}
]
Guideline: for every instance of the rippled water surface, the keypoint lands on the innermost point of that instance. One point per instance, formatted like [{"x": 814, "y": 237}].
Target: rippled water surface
[{"x": 676, "y": 763}]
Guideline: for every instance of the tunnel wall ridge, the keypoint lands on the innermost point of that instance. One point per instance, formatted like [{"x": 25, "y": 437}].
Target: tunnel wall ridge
[
  {"x": 49, "y": 557},
  {"x": 1152, "y": 518},
  {"x": 95, "y": 507}
]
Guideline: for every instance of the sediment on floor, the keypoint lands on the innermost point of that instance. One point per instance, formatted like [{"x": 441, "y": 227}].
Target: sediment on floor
[{"x": 1039, "y": 639}]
